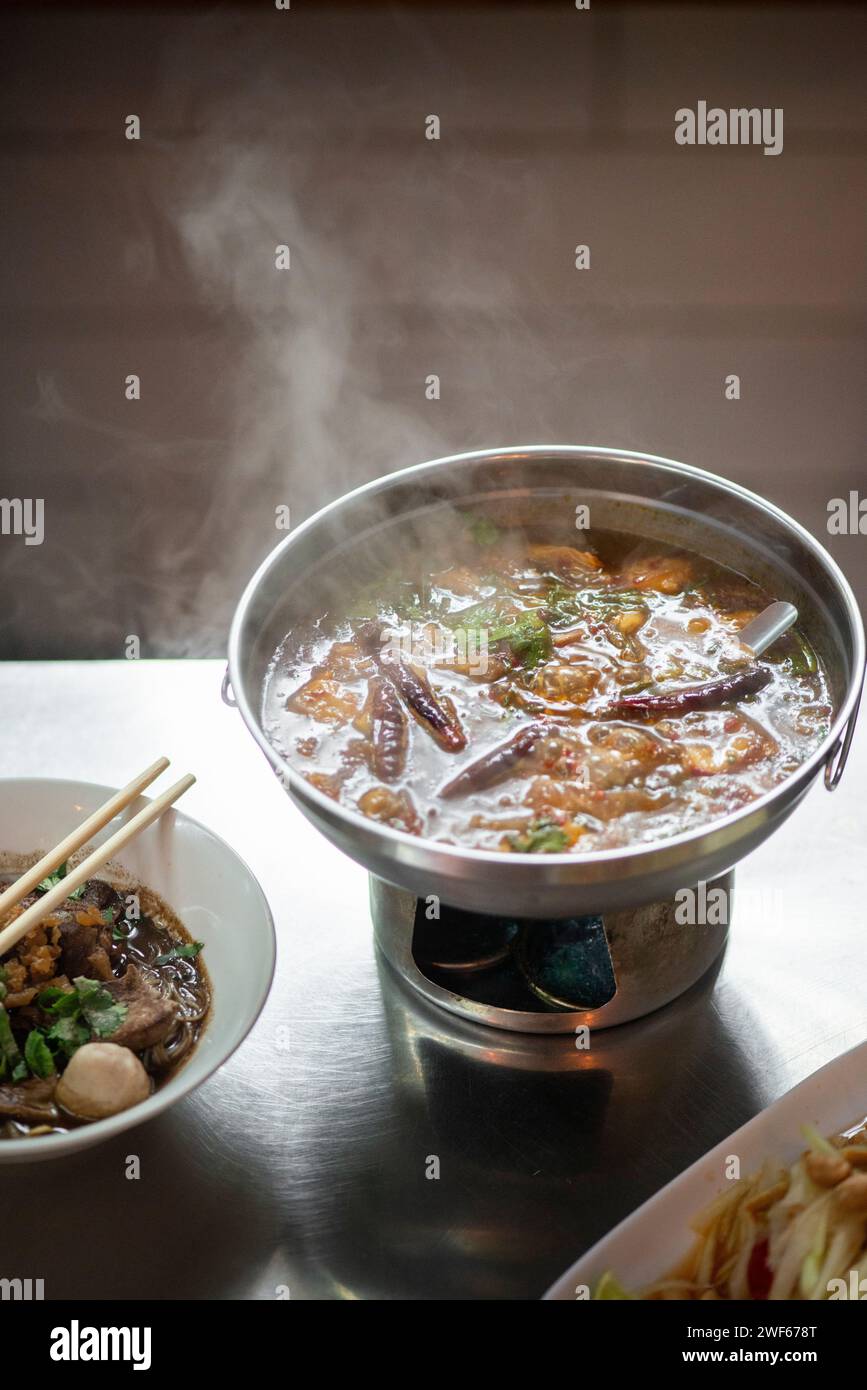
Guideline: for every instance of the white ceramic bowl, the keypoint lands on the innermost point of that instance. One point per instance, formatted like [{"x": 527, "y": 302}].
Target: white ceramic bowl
[{"x": 213, "y": 893}]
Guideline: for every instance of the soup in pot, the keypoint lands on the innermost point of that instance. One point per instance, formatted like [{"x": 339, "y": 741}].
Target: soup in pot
[{"x": 527, "y": 697}]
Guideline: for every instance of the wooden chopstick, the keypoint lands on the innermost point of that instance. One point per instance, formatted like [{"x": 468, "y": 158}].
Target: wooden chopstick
[
  {"x": 85, "y": 870},
  {"x": 57, "y": 856}
]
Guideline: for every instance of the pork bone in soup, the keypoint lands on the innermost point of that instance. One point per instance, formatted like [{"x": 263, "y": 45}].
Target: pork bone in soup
[
  {"x": 522, "y": 696},
  {"x": 99, "y": 1004}
]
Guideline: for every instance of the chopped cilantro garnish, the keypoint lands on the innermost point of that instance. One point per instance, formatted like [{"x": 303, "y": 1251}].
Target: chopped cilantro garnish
[
  {"x": 802, "y": 659},
  {"x": 57, "y": 877},
  {"x": 185, "y": 952},
  {"x": 476, "y": 615},
  {"x": 79, "y": 1014},
  {"x": 392, "y": 593},
  {"x": 482, "y": 530},
  {"x": 68, "y": 1035},
  {"x": 58, "y": 1002},
  {"x": 565, "y": 606},
  {"x": 542, "y": 837},
  {"x": 37, "y": 1054},
  {"x": 527, "y": 635},
  {"x": 526, "y": 632},
  {"x": 12, "y": 1064},
  {"x": 74, "y": 1017},
  {"x": 99, "y": 1009}
]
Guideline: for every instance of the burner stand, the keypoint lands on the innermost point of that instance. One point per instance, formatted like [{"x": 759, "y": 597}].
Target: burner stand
[{"x": 533, "y": 976}]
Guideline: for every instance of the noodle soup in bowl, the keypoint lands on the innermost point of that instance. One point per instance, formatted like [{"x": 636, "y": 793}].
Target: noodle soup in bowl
[{"x": 196, "y": 890}]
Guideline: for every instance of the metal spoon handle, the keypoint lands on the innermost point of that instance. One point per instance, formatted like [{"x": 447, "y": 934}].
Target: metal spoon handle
[{"x": 770, "y": 624}]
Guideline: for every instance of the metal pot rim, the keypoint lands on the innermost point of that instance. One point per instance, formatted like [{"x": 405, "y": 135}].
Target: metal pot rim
[{"x": 836, "y": 741}]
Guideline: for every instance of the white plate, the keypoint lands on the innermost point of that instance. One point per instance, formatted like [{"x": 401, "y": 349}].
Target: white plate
[
  {"x": 652, "y": 1240},
  {"x": 213, "y": 893}
]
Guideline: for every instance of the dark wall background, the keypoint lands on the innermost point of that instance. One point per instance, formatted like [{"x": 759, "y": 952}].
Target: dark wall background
[{"x": 409, "y": 257}]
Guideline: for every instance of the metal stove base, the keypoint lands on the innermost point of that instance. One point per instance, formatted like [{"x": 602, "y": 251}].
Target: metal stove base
[{"x": 577, "y": 972}]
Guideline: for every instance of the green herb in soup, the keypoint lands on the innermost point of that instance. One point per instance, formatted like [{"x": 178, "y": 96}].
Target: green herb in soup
[
  {"x": 539, "y": 698},
  {"x": 99, "y": 1003}
]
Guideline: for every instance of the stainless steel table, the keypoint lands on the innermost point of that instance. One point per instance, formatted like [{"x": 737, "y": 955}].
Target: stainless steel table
[{"x": 302, "y": 1164}]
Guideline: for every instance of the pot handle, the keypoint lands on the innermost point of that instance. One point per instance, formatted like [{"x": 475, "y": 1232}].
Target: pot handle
[
  {"x": 226, "y": 692},
  {"x": 839, "y": 753}
]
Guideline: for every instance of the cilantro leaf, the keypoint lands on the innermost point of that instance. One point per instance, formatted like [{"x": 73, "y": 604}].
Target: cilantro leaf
[
  {"x": 483, "y": 530},
  {"x": 542, "y": 837},
  {"x": 79, "y": 1014},
  {"x": 476, "y": 615},
  {"x": 527, "y": 635},
  {"x": 567, "y": 606},
  {"x": 37, "y": 1054},
  {"x": 526, "y": 632},
  {"x": 57, "y": 877},
  {"x": 99, "y": 1009},
  {"x": 11, "y": 1061},
  {"x": 61, "y": 1003},
  {"x": 186, "y": 952},
  {"x": 69, "y": 1034}
]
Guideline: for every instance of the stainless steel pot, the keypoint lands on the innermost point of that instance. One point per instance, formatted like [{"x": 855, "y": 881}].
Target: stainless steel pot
[{"x": 642, "y": 494}]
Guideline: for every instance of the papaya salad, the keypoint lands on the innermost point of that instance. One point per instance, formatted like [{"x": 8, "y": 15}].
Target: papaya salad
[{"x": 797, "y": 1232}]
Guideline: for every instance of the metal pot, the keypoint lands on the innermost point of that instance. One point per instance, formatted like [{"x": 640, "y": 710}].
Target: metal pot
[{"x": 651, "y": 497}]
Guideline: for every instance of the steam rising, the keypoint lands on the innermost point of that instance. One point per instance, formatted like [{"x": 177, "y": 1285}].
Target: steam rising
[
  {"x": 310, "y": 411},
  {"x": 408, "y": 258}
]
